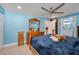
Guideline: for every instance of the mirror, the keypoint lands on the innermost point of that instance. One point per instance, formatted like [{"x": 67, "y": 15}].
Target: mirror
[{"x": 34, "y": 24}]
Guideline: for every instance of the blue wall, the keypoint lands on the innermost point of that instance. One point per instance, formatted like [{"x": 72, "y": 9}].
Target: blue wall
[
  {"x": 42, "y": 20},
  {"x": 17, "y": 22},
  {"x": 70, "y": 15},
  {"x": 77, "y": 22},
  {"x": 67, "y": 16}
]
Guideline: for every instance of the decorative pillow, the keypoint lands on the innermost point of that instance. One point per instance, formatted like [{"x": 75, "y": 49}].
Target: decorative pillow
[
  {"x": 54, "y": 38},
  {"x": 60, "y": 38}
]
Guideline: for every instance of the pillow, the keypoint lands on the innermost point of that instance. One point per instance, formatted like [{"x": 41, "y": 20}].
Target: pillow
[
  {"x": 54, "y": 38},
  {"x": 60, "y": 38}
]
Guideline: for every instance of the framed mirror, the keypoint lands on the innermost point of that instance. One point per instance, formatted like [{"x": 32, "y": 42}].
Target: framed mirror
[{"x": 34, "y": 24}]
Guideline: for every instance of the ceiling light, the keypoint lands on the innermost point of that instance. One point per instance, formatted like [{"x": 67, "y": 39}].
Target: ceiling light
[
  {"x": 53, "y": 16},
  {"x": 19, "y": 7}
]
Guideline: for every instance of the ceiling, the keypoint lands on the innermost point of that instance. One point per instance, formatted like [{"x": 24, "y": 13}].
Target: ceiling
[{"x": 34, "y": 9}]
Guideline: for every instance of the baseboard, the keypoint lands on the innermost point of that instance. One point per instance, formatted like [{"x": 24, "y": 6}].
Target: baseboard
[
  {"x": 11, "y": 44},
  {"x": 15, "y": 43}
]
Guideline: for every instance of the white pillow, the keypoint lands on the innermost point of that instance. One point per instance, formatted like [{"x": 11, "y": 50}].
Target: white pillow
[{"x": 54, "y": 38}]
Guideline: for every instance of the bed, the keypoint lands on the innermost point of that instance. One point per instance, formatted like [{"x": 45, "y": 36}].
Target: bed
[{"x": 44, "y": 45}]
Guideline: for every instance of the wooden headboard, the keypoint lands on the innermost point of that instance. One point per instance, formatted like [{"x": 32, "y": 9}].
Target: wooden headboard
[{"x": 31, "y": 34}]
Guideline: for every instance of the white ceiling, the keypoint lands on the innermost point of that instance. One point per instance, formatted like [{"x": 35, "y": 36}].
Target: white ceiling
[{"x": 35, "y": 8}]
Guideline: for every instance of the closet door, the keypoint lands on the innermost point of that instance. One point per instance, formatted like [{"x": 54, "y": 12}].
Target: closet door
[{"x": 1, "y": 31}]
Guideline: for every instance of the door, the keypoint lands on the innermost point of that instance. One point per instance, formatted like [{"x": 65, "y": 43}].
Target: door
[{"x": 1, "y": 31}]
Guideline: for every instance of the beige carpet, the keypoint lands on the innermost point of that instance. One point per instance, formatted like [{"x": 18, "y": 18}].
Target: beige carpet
[{"x": 15, "y": 50}]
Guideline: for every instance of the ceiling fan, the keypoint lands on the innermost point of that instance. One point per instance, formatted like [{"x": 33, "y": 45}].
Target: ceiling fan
[{"x": 53, "y": 11}]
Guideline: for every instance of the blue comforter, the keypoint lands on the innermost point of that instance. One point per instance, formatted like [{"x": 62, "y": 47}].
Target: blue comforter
[{"x": 46, "y": 46}]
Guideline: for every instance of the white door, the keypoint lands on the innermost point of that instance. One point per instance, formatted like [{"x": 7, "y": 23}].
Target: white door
[{"x": 1, "y": 31}]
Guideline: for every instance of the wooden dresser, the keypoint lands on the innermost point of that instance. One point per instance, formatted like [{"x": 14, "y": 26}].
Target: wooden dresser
[
  {"x": 34, "y": 30},
  {"x": 31, "y": 34}
]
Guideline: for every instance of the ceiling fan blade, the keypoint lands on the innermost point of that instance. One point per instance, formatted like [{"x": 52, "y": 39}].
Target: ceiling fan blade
[
  {"x": 45, "y": 9},
  {"x": 58, "y": 7},
  {"x": 58, "y": 12},
  {"x": 51, "y": 8}
]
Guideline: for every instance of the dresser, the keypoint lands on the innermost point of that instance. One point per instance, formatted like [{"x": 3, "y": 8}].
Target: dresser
[
  {"x": 31, "y": 34},
  {"x": 20, "y": 38},
  {"x": 34, "y": 30}
]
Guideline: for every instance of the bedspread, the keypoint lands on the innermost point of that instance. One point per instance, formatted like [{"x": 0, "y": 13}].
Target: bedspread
[{"x": 45, "y": 46}]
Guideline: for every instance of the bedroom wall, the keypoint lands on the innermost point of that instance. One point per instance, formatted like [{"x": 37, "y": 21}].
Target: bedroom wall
[
  {"x": 43, "y": 23},
  {"x": 67, "y": 16},
  {"x": 2, "y": 10},
  {"x": 1, "y": 26},
  {"x": 17, "y": 22}
]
